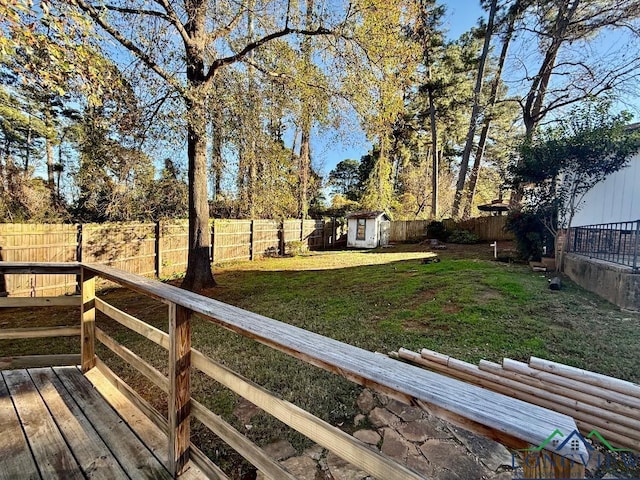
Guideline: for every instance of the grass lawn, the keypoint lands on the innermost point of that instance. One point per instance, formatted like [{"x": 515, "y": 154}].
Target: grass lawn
[{"x": 467, "y": 306}]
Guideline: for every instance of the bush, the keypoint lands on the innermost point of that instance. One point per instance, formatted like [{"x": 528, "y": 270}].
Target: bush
[
  {"x": 529, "y": 232},
  {"x": 295, "y": 248},
  {"x": 436, "y": 229},
  {"x": 463, "y": 236}
]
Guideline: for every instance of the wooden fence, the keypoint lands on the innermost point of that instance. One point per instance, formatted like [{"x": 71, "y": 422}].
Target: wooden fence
[
  {"x": 486, "y": 228},
  {"x": 150, "y": 249}
]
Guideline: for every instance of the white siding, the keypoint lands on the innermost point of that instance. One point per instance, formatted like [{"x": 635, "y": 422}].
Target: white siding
[
  {"x": 616, "y": 199},
  {"x": 370, "y": 233}
]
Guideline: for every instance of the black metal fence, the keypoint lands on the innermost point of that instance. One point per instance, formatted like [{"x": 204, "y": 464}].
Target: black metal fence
[{"x": 613, "y": 242}]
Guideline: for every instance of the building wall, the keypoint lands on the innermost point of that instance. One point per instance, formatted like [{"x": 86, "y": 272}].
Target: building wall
[{"x": 616, "y": 199}]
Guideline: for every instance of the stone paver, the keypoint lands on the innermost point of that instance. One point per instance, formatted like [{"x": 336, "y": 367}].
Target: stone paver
[
  {"x": 453, "y": 457},
  {"x": 421, "y": 430},
  {"x": 491, "y": 454},
  {"x": 411, "y": 436},
  {"x": 370, "y": 437},
  {"x": 280, "y": 450},
  {"x": 381, "y": 417},
  {"x": 342, "y": 470},
  {"x": 366, "y": 401},
  {"x": 404, "y": 411},
  {"x": 303, "y": 468}
]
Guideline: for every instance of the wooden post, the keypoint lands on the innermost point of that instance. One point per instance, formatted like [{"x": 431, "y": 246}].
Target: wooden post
[
  {"x": 88, "y": 320},
  {"x": 251, "y": 238},
  {"x": 79, "y": 257},
  {"x": 159, "y": 249},
  {"x": 179, "y": 388},
  {"x": 281, "y": 238},
  {"x": 546, "y": 464},
  {"x": 213, "y": 241},
  {"x": 301, "y": 229}
]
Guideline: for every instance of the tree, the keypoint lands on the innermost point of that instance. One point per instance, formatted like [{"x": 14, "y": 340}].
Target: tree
[
  {"x": 208, "y": 36},
  {"x": 565, "y": 162},
  {"x": 475, "y": 110},
  {"x": 569, "y": 70},
  {"x": 344, "y": 179}
]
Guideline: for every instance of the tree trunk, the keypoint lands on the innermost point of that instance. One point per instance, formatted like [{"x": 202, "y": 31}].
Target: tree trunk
[
  {"x": 434, "y": 156},
  {"x": 475, "y": 111},
  {"x": 304, "y": 166},
  {"x": 475, "y": 172},
  {"x": 199, "y": 274}
]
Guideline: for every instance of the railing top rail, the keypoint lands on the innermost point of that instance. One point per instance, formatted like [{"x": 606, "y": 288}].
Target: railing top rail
[
  {"x": 63, "y": 268},
  {"x": 604, "y": 225},
  {"x": 511, "y": 421},
  {"x": 503, "y": 418}
]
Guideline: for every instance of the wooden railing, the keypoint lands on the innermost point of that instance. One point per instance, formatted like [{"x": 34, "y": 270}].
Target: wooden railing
[{"x": 510, "y": 421}]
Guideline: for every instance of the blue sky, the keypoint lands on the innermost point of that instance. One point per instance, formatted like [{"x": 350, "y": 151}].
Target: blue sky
[{"x": 327, "y": 151}]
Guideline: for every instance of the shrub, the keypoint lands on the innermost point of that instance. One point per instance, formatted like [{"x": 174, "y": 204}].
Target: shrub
[
  {"x": 295, "y": 248},
  {"x": 529, "y": 232},
  {"x": 436, "y": 229},
  {"x": 463, "y": 236}
]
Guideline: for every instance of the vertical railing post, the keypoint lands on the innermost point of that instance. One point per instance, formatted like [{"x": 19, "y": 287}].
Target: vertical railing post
[
  {"x": 87, "y": 320},
  {"x": 179, "y": 388}
]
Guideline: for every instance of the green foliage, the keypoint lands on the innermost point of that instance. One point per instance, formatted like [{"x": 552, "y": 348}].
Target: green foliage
[
  {"x": 295, "y": 248},
  {"x": 437, "y": 229},
  {"x": 563, "y": 163},
  {"x": 529, "y": 232},
  {"x": 344, "y": 179},
  {"x": 463, "y": 237}
]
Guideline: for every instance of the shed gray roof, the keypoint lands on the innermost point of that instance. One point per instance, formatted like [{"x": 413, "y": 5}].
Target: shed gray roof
[{"x": 374, "y": 214}]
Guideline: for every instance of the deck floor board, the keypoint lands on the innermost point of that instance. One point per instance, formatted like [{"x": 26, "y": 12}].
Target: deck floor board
[{"x": 56, "y": 424}]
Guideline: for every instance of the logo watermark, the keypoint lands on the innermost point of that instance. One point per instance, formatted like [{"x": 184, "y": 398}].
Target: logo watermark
[{"x": 560, "y": 452}]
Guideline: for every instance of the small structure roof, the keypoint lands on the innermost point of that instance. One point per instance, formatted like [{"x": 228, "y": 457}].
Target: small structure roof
[
  {"x": 364, "y": 214},
  {"x": 495, "y": 206}
]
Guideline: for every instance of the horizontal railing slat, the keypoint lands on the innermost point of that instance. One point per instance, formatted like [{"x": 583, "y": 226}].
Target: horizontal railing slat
[
  {"x": 307, "y": 424},
  {"x": 241, "y": 444},
  {"x": 201, "y": 460},
  {"x": 61, "y": 268},
  {"x": 146, "y": 369},
  {"x": 499, "y": 415},
  {"x": 330, "y": 437},
  {"x": 38, "y": 332},
  {"x": 37, "y": 361},
  {"x": 32, "y": 302}
]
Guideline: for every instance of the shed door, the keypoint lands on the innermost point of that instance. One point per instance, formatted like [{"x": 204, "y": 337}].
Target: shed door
[{"x": 385, "y": 227}]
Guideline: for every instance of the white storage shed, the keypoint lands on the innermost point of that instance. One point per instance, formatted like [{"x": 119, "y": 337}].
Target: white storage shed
[{"x": 368, "y": 229}]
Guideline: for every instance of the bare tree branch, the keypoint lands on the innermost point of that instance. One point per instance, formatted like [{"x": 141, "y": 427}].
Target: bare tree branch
[
  {"x": 136, "y": 11},
  {"x": 251, "y": 46},
  {"x": 172, "y": 16},
  {"x": 129, "y": 45}
]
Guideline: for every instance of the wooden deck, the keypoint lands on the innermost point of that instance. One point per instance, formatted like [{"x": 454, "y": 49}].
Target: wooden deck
[{"x": 58, "y": 423}]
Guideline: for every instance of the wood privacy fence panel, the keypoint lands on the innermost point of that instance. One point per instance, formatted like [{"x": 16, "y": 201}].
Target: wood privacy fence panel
[
  {"x": 128, "y": 246},
  {"x": 486, "y": 228},
  {"x": 265, "y": 238},
  {"x": 313, "y": 233},
  {"x": 290, "y": 233},
  {"x": 38, "y": 243},
  {"x": 231, "y": 240},
  {"x": 150, "y": 249},
  {"x": 172, "y": 239},
  {"x": 408, "y": 230}
]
